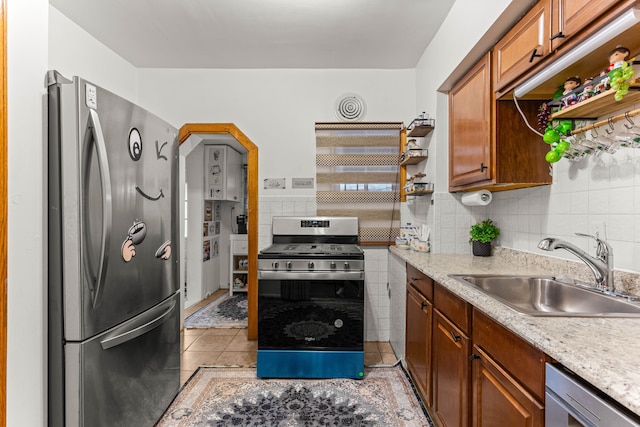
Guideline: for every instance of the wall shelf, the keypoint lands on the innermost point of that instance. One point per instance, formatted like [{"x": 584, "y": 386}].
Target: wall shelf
[
  {"x": 600, "y": 105},
  {"x": 419, "y": 193},
  {"x": 239, "y": 263},
  {"x": 419, "y": 130},
  {"x": 413, "y": 157}
]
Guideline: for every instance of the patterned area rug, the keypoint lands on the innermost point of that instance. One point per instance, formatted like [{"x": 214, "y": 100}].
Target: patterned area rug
[
  {"x": 224, "y": 312},
  {"x": 236, "y": 397}
]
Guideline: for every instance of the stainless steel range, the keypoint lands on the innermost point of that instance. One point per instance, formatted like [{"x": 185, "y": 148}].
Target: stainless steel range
[{"x": 311, "y": 300}]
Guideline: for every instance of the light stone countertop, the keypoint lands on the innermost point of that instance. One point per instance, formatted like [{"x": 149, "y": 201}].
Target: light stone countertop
[{"x": 603, "y": 351}]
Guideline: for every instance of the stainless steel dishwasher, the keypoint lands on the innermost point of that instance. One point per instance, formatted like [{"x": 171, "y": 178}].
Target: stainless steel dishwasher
[{"x": 571, "y": 402}]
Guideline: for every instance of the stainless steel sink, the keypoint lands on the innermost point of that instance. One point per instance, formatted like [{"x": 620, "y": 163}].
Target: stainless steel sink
[{"x": 546, "y": 296}]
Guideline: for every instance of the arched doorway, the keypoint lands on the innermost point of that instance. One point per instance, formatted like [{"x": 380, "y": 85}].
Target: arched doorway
[{"x": 252, "y": 209}]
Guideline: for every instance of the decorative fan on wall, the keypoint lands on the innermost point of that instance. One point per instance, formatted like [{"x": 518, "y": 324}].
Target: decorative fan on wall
[{"x": 350, "y": 107}]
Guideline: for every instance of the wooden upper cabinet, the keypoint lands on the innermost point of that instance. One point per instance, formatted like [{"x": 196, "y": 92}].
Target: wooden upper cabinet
[
  {"x": 470, "y": 139},
  {"x": 525, "y": 45},
  {"x": 572, "y": 16}
]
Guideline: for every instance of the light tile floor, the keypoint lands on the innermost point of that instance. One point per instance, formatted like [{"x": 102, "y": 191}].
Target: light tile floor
[{"x": 230, "y": 347}]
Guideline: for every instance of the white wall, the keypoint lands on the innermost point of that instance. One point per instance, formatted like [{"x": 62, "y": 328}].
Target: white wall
[
  {"x": 28, "y": 52},
  {"x": 73, "y": 52},
  {"x": 276, "y": 109},
  {"x": 27, "y": 66},
  {"x": 443, "y": 62}
]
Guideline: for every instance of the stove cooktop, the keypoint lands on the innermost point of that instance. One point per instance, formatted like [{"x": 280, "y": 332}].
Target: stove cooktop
[{"x": 312, "y": 249}]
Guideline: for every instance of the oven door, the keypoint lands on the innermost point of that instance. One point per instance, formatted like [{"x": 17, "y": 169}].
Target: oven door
[{"x": 315, "y": 311}]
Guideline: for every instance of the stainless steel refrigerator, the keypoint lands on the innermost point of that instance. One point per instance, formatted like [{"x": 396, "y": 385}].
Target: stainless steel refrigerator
[{"x": 113, "y": 291}]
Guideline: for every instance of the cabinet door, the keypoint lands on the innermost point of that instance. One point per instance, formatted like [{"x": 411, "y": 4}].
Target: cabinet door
[
  {"x": 526, "y": 44},
  {"x": 571, "y": 16},
  {"x": 470, "y": 133},
  {"x": 418, "y": 341},
  {"x": 234, "y": 175},
  {"x": 223, "y": 173},
  {"x": 498, "y": 399},
  {"x": 451, "y": 373}
]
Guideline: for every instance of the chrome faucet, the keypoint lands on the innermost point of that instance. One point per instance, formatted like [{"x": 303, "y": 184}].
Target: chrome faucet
[{"x": 601, "y": 265}]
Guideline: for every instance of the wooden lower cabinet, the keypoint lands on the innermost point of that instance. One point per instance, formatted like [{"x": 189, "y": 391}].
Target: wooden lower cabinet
[
  {"x": 498, "y": 399},
  {"x": 418, "y": 341},
  {"x": 451, "y": 373},
  {"x": 468, "y": 369}
]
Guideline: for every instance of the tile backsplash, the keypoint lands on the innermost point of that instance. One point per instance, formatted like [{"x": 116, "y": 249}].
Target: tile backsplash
[{"x": 596, "y": 194}]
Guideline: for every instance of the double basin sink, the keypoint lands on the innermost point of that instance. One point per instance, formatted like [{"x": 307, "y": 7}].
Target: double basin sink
[{"x": 547, "y": 296}]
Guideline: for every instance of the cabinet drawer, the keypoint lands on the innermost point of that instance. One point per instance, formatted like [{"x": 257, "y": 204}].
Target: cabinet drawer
[
  {"x": 420, "y": 281},
  {"x": 515, "y": 355},
  {"x": 239, "y": 247},
  {"x": 456, "y": 309}
]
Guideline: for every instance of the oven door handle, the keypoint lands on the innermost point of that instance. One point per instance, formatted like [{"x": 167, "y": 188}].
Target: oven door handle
[{"x": 311, "y": 275}]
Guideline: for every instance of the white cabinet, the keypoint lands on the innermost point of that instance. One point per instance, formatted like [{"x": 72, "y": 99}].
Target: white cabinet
[
  {"x": 239, "y": 267},
  {"x": 222, "y": 173}
]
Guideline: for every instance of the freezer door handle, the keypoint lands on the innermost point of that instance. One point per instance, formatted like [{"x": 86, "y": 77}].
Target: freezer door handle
[
  {"x": 103, "y": 164},
  {"x": 110, "y": 342}
]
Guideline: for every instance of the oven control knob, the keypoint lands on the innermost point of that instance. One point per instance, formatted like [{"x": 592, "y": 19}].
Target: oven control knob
[
  {"x": 332, "y": 265},
  {"x": 311, "y": 266},
  {"x": 289, "y": 265},
  {"x": 274, "y": 265},
  {"x": 347, "y": 266}
]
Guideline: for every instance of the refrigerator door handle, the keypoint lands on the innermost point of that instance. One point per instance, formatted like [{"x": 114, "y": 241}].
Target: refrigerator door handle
[
  {"x": 140, "y": 330},
  {"x": 105, "y": 177}
]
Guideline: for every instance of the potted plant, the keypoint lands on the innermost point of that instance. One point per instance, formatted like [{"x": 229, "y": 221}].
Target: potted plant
[{"x": 482, "y": 233}]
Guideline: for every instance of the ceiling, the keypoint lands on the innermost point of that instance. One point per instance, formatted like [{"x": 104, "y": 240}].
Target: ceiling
[{"x": 386, "y": 34}]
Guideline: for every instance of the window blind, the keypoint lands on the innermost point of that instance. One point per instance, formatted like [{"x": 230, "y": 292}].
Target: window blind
[{"x": 357, "y": 175}]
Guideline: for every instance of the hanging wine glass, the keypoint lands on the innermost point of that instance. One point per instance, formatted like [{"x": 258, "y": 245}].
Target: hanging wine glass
[
  {"x": 630, "y": 136},
  {"x": 606, "y": 142},
  {"x": 597, "y": 147},
  {"x": 577, "y": 149},
  {"x": 584, "y": 144}
]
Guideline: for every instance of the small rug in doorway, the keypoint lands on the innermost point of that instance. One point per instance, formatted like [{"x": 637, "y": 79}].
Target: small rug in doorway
[
  {"x": 224, "y": 312},
  {"x": 236, "y": 397}
]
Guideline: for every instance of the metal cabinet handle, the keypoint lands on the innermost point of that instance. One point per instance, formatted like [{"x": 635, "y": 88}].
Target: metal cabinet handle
[
  {"x": 557, "y": 36},
  {"x": 455, "y": 337},
  {"x": 424, "y": 304},
  {"x": 483, "y": 167},
  {"x": 473, "y": 357},
  {"x": 534, "y": 55}
]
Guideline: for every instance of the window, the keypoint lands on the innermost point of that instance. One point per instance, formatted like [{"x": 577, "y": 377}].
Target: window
[{"x": 357, "y": 174}]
